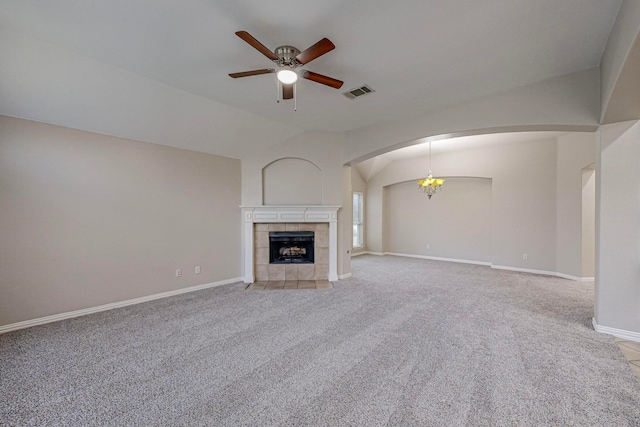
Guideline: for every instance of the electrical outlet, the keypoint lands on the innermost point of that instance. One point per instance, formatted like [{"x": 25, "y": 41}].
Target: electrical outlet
[
  {"x": 525, "y": 256},
  {"x": 178, "y": 273},
  {"x": 197, "y": 269},
  {"x": 428, "y": 246}
]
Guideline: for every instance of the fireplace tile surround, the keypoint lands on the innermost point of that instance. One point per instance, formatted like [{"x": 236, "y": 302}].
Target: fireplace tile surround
[
  {"x": 268, "y": 272},
  {"x": 259, "y": 220}
]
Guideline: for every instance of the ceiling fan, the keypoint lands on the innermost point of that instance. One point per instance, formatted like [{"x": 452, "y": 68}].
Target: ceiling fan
[{"x": 289, "y": 60}]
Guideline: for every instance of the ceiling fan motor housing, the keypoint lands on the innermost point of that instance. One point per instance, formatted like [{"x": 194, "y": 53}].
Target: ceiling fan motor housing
[{"x": 287, "y": 56}]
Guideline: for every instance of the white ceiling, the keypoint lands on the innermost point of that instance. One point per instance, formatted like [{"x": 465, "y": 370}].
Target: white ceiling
[{"x": 417, "y": 55}]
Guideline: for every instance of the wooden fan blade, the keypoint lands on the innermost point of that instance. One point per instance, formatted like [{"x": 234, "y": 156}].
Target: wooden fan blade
[
  {"x": 325, "y": 80},
  {"x": 323, "y": 46},
  {"x": 256, "y": 44},
  {"x": 252, "y": 73},
  {"x": 287, "y": 91}
]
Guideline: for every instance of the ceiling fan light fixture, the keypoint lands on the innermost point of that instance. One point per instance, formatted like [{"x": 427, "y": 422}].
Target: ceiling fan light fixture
[{"x": 287, "y": 76}]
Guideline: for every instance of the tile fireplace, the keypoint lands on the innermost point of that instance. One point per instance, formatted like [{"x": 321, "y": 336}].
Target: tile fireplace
[{"x": 304, "y": 238}]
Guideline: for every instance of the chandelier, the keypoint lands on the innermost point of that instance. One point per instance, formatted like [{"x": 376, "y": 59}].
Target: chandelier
[{"x": 430, "y": 185}]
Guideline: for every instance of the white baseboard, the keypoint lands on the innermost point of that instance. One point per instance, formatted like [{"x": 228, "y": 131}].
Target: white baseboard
[
  {"x": 544, "y": 273},
  {"x": 524, "y": 270},
  {"x": 620, "y": 333},
  {"x": 110, "y": 306},
  {"x": 463, "y": 261},
  {"x": 344, "y": 276},
  {"x": 354, "y": 254},
  {"x": 488, "y": 264},
  {"x": 575, "y": 278}
]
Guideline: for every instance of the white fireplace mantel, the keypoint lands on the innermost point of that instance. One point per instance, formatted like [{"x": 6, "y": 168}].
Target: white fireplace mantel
[{"x": 280, "y": 214}]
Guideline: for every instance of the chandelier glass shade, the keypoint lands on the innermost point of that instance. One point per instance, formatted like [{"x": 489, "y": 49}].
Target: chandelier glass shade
[{"x": 430, "y": 185}]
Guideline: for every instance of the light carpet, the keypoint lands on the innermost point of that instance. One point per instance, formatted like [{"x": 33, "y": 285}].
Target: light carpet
[{"x": 402, "y": 342}]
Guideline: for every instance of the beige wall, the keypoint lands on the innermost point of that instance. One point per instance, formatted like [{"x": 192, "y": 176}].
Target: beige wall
[
  {"x": 453, "y": 224},
  {"x": 523, "y": 199},
  {"x": 575, "y": 152},
  {"x": 617, "y": 227},
  {"x": 88, "y": 219},
  {"x": 589, "y": 222}
]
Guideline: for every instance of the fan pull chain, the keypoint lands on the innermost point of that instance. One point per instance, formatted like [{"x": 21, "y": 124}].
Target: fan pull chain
[
  {"x": 278, "y": 90},
  {"x": 295, "y": 97}
]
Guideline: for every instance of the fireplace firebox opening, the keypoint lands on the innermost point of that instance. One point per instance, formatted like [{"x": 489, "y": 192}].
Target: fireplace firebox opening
[{"x": 291, "y": 247}]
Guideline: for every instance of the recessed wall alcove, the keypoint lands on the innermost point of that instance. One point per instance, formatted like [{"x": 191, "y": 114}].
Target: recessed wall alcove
[
  {"x": 292, "y": 181},
  {"x": 454, "y": 224}
]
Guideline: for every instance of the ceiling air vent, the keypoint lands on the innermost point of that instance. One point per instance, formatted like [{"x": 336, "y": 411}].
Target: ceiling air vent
[{"x": 357, "y": 92}]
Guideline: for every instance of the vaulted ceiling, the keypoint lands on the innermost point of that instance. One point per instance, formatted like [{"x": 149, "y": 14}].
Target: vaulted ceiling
[{"x": 157, "y": 70}]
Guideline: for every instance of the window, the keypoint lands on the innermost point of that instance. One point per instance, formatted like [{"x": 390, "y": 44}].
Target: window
[{"x": 357, "y": 220}]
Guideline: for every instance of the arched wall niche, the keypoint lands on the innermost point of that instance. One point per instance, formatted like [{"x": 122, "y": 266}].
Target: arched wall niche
[{"x": 292, "y": 181}]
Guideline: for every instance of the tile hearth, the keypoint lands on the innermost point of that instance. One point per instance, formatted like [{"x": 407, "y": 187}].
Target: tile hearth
[{"x": 289, "y": 285}]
